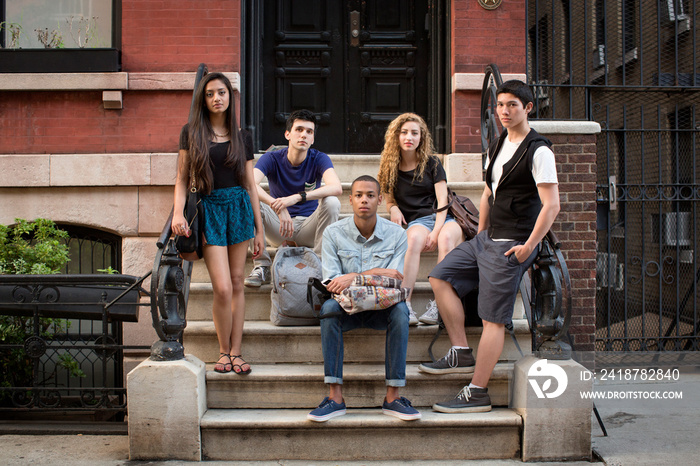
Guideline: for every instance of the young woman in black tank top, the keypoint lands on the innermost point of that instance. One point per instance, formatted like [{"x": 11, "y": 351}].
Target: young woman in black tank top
[{"x": 220, "y": 158}]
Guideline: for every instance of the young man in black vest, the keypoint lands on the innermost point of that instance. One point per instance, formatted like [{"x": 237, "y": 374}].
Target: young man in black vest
[{"x": 518, "y": 207}]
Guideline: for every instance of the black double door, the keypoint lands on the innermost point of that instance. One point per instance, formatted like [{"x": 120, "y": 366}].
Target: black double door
[{"x": 355, "y": 64}]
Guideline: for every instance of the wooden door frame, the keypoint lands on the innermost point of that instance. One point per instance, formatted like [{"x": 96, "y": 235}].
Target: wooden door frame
[{"x": 252, "y": 14}]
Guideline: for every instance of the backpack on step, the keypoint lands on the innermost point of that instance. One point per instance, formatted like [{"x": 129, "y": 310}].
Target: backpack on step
[{"x": 291, "y": 270}]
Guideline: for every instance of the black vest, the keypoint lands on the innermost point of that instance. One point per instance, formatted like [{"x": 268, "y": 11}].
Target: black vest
[{"x": 515, "y": 210}]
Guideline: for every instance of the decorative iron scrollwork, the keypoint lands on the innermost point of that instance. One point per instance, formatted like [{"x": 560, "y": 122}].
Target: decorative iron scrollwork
[{"x": 35, "y": 346}]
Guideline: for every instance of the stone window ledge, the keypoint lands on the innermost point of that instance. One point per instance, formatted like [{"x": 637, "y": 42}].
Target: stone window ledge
[
  {"x": 110, "y": 83},
  {"x": 475, "y": 81}
]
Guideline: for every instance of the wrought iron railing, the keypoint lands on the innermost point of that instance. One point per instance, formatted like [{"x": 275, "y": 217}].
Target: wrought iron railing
[
  {"x": 46, "y": 366},
  {"x": 171, "y": 284}
]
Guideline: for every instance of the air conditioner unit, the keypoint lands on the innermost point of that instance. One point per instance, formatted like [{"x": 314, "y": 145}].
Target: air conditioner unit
[
  {"x": 673, "y": 10},
  {"x": 676, "y": 228},
  {"x": 541, "y": 91},
  {"x": 606, "y": 272},
  {"x": 599, "y": 56}
]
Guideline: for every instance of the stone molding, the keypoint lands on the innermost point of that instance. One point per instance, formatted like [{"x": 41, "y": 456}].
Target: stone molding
[
  {"x": 54, "y": 170},
  {"x": 565, "y": 127},
  {"x": 105, "y": 81},
  {"x": 475, "y": 81}
]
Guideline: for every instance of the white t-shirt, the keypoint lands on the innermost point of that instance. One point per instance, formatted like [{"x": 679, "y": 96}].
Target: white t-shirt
[{"x": 544, "y": 168}]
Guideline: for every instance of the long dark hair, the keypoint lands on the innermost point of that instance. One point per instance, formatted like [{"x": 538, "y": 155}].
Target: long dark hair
[{"x": 200, "y": 134}]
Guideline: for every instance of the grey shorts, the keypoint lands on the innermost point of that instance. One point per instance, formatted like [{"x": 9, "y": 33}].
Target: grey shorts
[{"x": 480, "y": 262}]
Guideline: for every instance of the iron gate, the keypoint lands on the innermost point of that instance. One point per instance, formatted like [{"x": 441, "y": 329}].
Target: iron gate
[{"x": 632, "y": 66}]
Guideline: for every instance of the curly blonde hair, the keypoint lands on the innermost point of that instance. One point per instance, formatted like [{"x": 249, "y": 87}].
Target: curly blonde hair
[{"x": 391, "y": 155}]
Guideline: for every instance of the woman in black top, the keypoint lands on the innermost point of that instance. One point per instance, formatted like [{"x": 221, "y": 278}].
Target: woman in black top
[
  {"x": 217, "y": 159},
  {"x": 412, "y": 179}
]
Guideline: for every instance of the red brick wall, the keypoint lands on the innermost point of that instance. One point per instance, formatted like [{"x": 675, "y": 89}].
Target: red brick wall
[
  {"x": 576, "y": 228},
  {"x": 481, "y": 37},
  {"x": 77, "y": 123},
  {"x": 178, "y": 35}
]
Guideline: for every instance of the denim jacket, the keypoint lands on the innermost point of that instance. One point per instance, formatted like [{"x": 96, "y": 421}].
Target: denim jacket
[{"x": 345, "y": 250}]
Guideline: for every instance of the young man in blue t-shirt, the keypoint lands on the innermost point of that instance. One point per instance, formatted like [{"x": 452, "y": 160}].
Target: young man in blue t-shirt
[{"x": 297, "y": 208}]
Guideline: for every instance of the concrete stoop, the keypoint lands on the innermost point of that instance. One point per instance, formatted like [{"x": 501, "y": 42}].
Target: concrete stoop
[
  {"x": 301, "y": 386},
  {"x": 265, "y": 343},
  {"x": 362, "y": 434}
]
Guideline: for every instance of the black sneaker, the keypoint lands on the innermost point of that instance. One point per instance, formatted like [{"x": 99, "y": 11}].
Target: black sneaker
[
  {"x": 468, "y": 400},
  {"x": 455, "y": 361}
]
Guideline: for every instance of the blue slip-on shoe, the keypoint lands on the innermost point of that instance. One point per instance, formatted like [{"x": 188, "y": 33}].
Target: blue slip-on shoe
[
  {"x": 328, "y": 409},
  {"x": 402, "y": 409}
]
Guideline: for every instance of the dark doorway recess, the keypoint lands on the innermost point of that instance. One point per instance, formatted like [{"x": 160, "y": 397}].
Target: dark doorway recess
[{"x": 356, "y": 64}]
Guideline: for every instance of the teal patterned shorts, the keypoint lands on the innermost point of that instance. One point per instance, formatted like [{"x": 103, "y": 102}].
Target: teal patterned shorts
[{"x": 228, "y": 216}]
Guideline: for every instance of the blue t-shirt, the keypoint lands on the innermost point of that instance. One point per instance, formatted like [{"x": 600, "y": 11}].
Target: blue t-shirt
[{"x": 286, "y": 180}]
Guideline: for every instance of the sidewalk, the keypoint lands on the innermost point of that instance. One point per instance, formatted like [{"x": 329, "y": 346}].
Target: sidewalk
[
  {"x": 640, "y": 432},
  {"x": 650, "y": 432}
]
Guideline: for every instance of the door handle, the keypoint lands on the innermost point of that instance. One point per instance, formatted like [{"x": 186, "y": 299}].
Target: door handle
[
  {"x": 354, "y": 28},
  {"x": 612, "y": 192}
]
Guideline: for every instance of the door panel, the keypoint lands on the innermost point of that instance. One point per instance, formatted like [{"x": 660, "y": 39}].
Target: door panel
[{"x": 356, "y": 64}]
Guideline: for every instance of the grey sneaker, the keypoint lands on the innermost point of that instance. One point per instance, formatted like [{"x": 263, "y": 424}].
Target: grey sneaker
[
  {"x": 455, "y": 361},
  {"x": 430, "y": 316},
  {"x": 412, "y": 318},
  {"x": 259, "y": 276},
  {"x": 474, "y": 400}
]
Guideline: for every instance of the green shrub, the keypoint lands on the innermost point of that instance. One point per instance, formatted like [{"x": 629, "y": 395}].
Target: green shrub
[
  {"x": 37, "y": 247},
  {"x": 26, "y": 247}
]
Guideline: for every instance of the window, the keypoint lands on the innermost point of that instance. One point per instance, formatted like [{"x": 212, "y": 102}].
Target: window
[
  {"x": 600, "y": 39},
  {"x": 673, "y": 10},
  {"x": 60, "y": 36},
  {"x": 39, "y": 24}
]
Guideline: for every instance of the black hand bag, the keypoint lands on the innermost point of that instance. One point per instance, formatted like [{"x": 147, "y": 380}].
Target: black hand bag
[
  {"x": 464, "y": 211},
  {"x": 190, "y": 247}
]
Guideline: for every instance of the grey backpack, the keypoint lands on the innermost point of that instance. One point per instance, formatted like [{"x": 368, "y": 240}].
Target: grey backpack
[{"x": 291, "y": 270}]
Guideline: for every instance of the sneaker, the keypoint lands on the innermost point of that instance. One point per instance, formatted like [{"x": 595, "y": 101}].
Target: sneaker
[
  {"x": 328, "y": 409},
  {"x": 259, "y": 276},
  {"x": 455, "y": 361},
  {"x": 430, "y": 316},
  {"x": 468, "y": 400},
  {"x": 401, "y": 408},
  {"x": 412, "y": 318}
]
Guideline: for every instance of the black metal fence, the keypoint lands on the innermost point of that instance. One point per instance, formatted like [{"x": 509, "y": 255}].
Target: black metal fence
[
  {"x": 61, "y": 345},
  {"x": 632, "y": 66}
]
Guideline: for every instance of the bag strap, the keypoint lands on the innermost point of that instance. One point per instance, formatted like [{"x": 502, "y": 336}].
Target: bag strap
[
  {"x": 450, "y": 200},
  {"x": 315, "y": 283}
]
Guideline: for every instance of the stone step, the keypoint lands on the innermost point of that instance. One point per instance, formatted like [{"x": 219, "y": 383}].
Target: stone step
[
  {"x": 264, "y": 343},
  {"x": 201, "y": 275},
  {"x": 257, "y": 301},
  {"x": 360, "y": 435},
  {"x": 458, "y": 167},
  {"x": 471, "y": 189},
  {"x": 301, "y": 386}
]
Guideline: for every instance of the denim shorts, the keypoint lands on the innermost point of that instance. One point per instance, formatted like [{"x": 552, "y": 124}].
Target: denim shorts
[
  {"x": 429, "y": 221},
  {"x": 228, "y": 216}
]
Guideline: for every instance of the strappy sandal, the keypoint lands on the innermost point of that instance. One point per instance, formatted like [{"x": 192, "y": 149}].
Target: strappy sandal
[
  {"x": 240, "y": 370},
  {"x": 222, "y": 366}
]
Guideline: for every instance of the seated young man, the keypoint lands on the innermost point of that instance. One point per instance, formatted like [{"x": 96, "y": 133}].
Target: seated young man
[
  {"x": 297, "y": 208},
  {"x": 369, "y": 245},
  {"x": 518, "y": 207}
]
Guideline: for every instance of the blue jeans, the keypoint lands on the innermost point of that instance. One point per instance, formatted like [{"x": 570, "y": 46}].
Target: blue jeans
[{"x": 334, "y": 321}]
